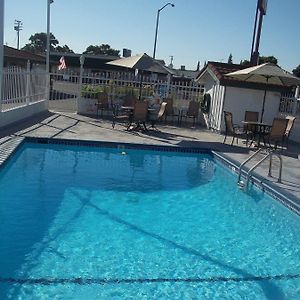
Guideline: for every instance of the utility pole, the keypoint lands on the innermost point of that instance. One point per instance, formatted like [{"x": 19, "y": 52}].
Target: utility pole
[
  {"x": 18, "y": 27},
  {"x": 261, "y": 10}
]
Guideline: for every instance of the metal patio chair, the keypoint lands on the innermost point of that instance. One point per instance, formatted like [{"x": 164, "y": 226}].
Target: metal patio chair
[{"x": 231, "y": 129}]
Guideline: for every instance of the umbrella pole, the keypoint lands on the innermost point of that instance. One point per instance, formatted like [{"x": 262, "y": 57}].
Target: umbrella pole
[{"x": 264, "y": 101}]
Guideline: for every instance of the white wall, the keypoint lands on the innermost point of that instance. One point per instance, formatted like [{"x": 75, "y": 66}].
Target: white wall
[
  {"x": 22, "y": 112},
  {"x": 238, "y": 100}
]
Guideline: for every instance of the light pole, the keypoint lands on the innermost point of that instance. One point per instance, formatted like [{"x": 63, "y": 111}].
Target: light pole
[
  {"x": 48, "y": 51},
  {"x": 1, "y": 48},
  {"x": 156, "y": 29}
]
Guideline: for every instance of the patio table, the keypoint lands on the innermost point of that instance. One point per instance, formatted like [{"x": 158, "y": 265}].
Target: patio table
[{"x": 261, "y": 129}]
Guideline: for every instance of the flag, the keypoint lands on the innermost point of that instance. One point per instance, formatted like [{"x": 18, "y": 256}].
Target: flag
[{"x": 62, "y": 64}]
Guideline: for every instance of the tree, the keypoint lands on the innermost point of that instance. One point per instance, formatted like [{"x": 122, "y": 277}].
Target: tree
[
  {"x": 103, "y": 49},
  {"x": 266, "y": 59},
  {"x": 64, "y": 49},
  {"x": 230, "y": 59},
  {"x": 38, "y": 43},
  {"x": 245, "y": 63},
  {"x": 296, "y": 71},
  {"x": 262, "y": 59}
]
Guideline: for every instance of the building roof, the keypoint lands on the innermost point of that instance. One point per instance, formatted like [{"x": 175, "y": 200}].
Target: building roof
[
  {"x": 90, "y": 61},
  {"x": 13, "y": 53},
  {"x": 220, "y": 69}
]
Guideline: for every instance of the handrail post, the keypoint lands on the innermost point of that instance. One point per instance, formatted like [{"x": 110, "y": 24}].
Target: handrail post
[{"x": 270, "y": 165}]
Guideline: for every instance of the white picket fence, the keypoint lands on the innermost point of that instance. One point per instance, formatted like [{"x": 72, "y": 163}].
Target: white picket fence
[{"x": 22, "y": 87}]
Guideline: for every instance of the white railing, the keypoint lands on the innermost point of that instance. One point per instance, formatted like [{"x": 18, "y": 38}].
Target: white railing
[
  {"x": 22, "y": 87},
  {"x": 289, "y": 104},
  {"x": 66, "y": 86}
]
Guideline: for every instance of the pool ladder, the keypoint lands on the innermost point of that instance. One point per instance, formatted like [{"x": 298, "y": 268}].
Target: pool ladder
[{"x": 270, "y": 153}]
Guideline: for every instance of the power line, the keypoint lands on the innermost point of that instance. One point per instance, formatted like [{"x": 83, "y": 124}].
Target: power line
[{"x": 18, "y": 27}]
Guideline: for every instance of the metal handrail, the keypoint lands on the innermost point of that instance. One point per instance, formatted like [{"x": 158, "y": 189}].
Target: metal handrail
[
  {"x": 280, "y": 166},
  {"x": 244, "y": 162},
  {"x": 254, "y": 167}
]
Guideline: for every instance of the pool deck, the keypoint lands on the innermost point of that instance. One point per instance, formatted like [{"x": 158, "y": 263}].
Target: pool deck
[{"x": 77, "y": 127}]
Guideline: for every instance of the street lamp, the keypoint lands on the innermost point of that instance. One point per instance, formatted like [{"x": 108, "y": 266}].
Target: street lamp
[
  {"x": 48, "y": 51},
  {"x": 156, "y": 29},
  {"x": 1, "y": 48}
]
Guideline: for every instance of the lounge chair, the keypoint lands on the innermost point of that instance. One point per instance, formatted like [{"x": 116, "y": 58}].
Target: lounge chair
[
  {"x": 154, "y": 118},
  {"x": 192, "y": 112},
  {"x": 170, "y": 110},
  {"x": 250, "y": 130},
  {"x": 231, "y": 129},
  {"x": 102, "y": 103},
  {"x": 139, "y": 116},
  {"x": 277, "y": 132},
  {"x": 290, "y": 124}
]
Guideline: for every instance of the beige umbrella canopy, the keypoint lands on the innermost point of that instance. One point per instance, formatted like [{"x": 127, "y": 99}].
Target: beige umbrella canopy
[
  {"x": 142, "y": 62},
  {"x": 268, "y": 74}
]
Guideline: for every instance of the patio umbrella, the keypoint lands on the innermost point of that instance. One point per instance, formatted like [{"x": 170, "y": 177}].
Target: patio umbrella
[
  {"x": 268, "y": 74},
  {"x": 142, "y": 62}
]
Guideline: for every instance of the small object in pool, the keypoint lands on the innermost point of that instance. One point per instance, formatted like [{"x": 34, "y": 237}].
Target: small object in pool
[{"x": 123, "y": 153}]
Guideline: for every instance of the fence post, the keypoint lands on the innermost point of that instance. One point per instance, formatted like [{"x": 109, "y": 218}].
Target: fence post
[
  {"x": 27, "y": 82},
  {"x": 81, "y": 59},
  {"x": 295, "y": 102}
]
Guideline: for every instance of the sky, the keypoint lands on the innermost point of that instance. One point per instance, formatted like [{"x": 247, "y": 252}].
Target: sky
[{"x": 192, "y": 31}]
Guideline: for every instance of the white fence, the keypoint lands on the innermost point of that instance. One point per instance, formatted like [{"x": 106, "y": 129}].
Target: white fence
[
  {"x": 67, "y": 87},
  {"x": 290, "y": 105},
  {"x": 22, "y": 87}
]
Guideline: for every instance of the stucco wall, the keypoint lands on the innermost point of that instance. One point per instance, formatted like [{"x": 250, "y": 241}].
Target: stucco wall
[
  {"x": 23, "y": 112},
  {"x": 238, "y": 100}
]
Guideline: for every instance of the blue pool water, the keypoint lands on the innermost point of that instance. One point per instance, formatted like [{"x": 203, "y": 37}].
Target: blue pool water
[{"x": 87, "y": 223}]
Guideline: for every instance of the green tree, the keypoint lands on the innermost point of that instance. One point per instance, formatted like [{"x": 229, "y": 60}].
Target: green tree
[
  {"x": 245, "y": 63},
  {"x": 64, "y": 49},
  {"x": 103, "y": 49},
  {"x": 296, "y": 71},
  {"x": 262, "y": 59},
  {"x": 266, "y": 59},
  {"x": 38, "y": 43},
  {"x": 230, "y": 59}
]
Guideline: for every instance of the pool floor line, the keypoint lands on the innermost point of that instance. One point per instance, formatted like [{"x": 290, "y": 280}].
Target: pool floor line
[{"x": 103, "y": 281}]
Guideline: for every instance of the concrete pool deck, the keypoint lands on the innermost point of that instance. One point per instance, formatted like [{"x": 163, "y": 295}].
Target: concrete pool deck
[{"x": 77, "y": 127}]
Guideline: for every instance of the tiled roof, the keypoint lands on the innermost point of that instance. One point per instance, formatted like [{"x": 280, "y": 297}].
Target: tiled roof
[
  {"x": 10, "y": 52},
  {"x": 220, "y": 69}
]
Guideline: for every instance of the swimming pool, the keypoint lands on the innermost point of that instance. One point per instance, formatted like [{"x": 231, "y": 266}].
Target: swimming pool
[{"x": 93, "y": 223}]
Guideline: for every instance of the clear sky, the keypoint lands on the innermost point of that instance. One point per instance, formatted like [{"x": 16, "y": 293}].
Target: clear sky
[{"x": 193, "y": 30}]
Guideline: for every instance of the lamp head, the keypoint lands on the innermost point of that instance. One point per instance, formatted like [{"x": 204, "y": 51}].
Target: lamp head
[{"x": 173, "y": 5}]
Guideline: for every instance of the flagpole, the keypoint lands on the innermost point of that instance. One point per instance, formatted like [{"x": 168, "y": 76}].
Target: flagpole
[{"x": 48, "y": 51}]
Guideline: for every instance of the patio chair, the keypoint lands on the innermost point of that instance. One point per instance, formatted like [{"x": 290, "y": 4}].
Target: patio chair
[
  {"x": 102, "y": 103},
  {"x": 129, "y": 100},
  {"x": 192, "y": 112},
  {"x": 231, "y": 129},
  {"x": 277, "y": 132},
  {"x": 290, "y": 124},
  {"x": 250, "y": 130},
  {"x": 154, "y": 118},
  {"x": 125, "y": 116},
  {"x": 170, "y": 110},
  {"x": 139, "y": 116}
]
